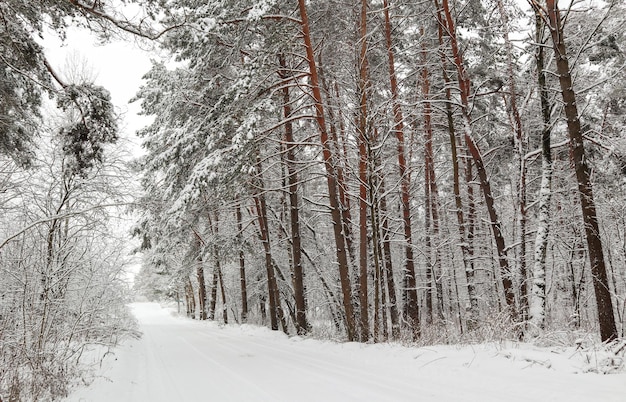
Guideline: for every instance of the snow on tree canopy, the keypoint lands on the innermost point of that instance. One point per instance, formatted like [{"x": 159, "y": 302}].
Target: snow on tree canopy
[{"x": 93, "y": 126}]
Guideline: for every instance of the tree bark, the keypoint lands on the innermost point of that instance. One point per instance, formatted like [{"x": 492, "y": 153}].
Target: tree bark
[
  {"x": 214, "y": 227},
  {"x": 537, "y": 313},
  {"x": 302, "y": 325},
  {"x": 242, "y": 266},
  {"x": 465, "y": 233},
  {"x": 431, "y": 192},
  {"x": 213, "y": 300},
  {"x": 411, "y": 309},
  {"x": 520, "y": 143},
  {"x": 608, "y": 329},
  {"x": 272, "y": 286},
  {"x": 201, "y": 289},
  {"x": 464, "y": 87},
  {"x": 342, "y": 259},
  {"x": 394, "y": 313},
  {"x": 363, "y": 84}
]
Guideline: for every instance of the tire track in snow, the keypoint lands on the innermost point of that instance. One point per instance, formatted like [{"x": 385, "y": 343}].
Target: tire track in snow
[
  {"x": 342, "y": 375},
  {"x": 306, "y": 374},
  {"x": 163, "y": 369},
  {"x": 235, "y": 379}
]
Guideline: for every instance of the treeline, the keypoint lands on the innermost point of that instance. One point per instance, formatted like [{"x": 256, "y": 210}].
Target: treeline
[
  {"x": 387, "y": 170},
  {"x": 64, "y": 194}
]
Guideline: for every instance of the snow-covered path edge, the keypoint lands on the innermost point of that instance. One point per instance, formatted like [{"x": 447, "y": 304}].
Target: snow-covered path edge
[{"x": 184, "y": 360}]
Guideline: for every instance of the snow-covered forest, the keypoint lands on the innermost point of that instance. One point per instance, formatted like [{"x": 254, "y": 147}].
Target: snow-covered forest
[{"x": 415, "y": 172}]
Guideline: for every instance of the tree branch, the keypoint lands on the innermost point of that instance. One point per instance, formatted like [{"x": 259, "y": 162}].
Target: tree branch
[
  {"x": 59, "y": 216},
  {"x": 125, "y": 26}
]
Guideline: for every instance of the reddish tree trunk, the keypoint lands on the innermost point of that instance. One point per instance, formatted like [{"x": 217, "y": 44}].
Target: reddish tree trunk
[
  {"x": 363, "y": 84},
  {"x": 464, "y": 86},
  {"x": 411, "y": 309},
  {"x": 342, "y": 258},
  {"x": 464, "y": 237},
  {"x": 431, "y": 192},
  {"x": 302, "y": 325},
  {"x": 608, "y": 329},
  {"x": 342, "y": 156}
]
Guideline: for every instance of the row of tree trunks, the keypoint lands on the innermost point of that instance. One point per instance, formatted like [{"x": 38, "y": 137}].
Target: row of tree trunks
[
  {"x": 433, "y": 257},
  {"x": 190, "y": 300},
  {"x": 394, "y": 311},
  {"x": 329, "y": 163},
  {"x": 520, "y": 146},
  {"x": 465, "y": 230},
  {"x": 373, "y": 263},
  {"x": 217, "y": 270},
  {"x": 449, "y": 28},
  {"x": 411, "y": 310},
  {"x": 276, "y": 312},
  {"x": 373, "y": 260},
  {"x": 302, "y": 325}
]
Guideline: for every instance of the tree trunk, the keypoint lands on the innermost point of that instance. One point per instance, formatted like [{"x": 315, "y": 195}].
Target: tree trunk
[
  {"x": 363, "y": 84},
  {"x": 191, "y": 299},
  {"x": 430, "y": 283},
  {"x": 379, "y": 289},
  {"x": 608, "y": 329},
  {"x": 342, "y": 259},
  {"x": 411, "y": 309},
  {"x": 520, "y": 143},
  {"x": 339, "y": 147},
  {"x": 214, "y": 227},
  {"x": 302, "y": 325},
  {"x": 464, "y": 87},
  {"x": 223, "y": 293},
  {"x": 201, "y": 289},
  {"x": 394, "y": 313},
  {"x": 276, "y": 312},
  {"x": 213, "y": 301},
  {"x": 242, "y": 267},
  {"x": 464, "y": 237},
  {"x": 431, "y": 192},
  {"x": 272, "y": 286},
  {"x": 538, "y": 292}
]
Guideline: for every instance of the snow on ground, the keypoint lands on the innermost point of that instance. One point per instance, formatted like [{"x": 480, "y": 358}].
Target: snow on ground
[{"x": 178, "y": 359}]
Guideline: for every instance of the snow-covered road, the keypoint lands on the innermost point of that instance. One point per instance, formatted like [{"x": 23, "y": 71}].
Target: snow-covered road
[{"x": 183, "y": 360}]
